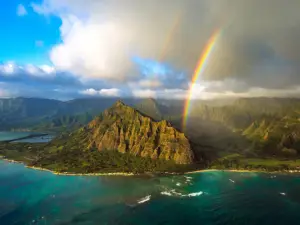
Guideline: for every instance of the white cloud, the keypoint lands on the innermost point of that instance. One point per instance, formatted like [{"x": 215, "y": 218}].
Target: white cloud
[
  {"x": 162, "y": 93},
  {"x": 153, "y": 83},
  {"x": 111, "y": 92},
  {"x": 146, "y": 83},
  {"x": 201, "y": 93},
  {"x": 173, "y": 93},
  {"x": 43, "y": 70},
  {"x": 90, "y": 91},
  {"x": 8, "y": 68},
  {"x": 33, "y": 70},
  {"x": 47, "y": 69},
  {"x": 147, "y": 93},
  {"x": 21, "y": 10},
  {"x": 101, "y": 43},
  {"x": 100, "y": 38},
  {"x": 93, "y": 50}
]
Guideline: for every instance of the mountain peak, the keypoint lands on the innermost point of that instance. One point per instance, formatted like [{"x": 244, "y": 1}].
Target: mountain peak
[
  {"x": 119, "y": 103},
  {"x": 127, "y": 130}
]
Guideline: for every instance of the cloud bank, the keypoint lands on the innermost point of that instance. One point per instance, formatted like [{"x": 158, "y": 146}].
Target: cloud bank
[{"x": 151, "y": 47}]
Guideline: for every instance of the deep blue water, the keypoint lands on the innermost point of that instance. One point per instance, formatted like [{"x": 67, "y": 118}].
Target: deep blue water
[{"x": 29, "y": 196}]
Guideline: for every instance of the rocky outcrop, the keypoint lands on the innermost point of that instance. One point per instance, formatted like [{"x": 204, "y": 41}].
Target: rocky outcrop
[{"x": 125, "y": 129}]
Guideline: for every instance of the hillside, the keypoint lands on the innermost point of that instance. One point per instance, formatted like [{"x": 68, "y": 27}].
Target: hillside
[
  {"x": 127, "y": 130},
  {"x": 37, "y": 113},
  {"x": 150, "y": 107},
  {"x": 121, "y": 139},
  {"x": 262, "y": 126}
]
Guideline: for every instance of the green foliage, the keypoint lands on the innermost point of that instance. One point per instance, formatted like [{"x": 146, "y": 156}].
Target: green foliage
[
  {"x": 265, "y": 164},
  {"x": 104, "y": 161},
  {"x": 264, "y": 125},
  {"x": 47, "y": 114}
]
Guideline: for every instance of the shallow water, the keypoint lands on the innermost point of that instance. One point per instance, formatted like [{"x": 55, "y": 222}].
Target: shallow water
[
  {"x": 29, "y": 196},
  {"x": 41, "y": 139},
  {"x": 9, "y": 135}
]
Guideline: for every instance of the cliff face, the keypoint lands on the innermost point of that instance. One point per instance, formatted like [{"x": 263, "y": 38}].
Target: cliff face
[{"x": 124, "y": 129}]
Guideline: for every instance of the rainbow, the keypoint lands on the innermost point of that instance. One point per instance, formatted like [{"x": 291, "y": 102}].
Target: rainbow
[
  {"x": 201, "y": 65},
  {"x": 170, "y": 37}
]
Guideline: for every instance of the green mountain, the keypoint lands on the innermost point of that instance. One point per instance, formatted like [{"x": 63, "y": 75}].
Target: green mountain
[
  {"x": 119, "y": 139},
  {"x": 22, "y": 112},
  {"x": 261, "y": 126},
  {"x": 66, "y": 122},
  {"x": 126, "y": 130},
  {"x": 35, "y": 113},
  {"x": 260, "y": 133},
  {"x": 150, "y": 107}
]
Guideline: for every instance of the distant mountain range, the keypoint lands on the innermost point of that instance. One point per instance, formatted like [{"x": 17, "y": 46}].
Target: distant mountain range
[
  {"x": 229, "y": 134},
  {"x": 36, "y": 113}
]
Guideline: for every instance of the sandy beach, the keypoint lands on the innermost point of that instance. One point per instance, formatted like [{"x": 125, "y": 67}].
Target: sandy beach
[
  {"x": 132, "y": 174},
  {"x": 242, "y": 171}
]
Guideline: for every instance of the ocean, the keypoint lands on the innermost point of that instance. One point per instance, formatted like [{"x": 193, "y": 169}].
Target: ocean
[{"x": 29, "y": 196}]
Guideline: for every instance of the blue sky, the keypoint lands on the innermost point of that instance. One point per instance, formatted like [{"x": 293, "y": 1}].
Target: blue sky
[{"x": 26, "y": 39}]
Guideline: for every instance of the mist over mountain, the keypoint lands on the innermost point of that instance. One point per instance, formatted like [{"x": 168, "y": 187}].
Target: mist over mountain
[{"x": 28, "y": 113}]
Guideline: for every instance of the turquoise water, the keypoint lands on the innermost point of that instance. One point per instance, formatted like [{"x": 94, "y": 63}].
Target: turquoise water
[
  {"x": 7, "y": 135},
  {"x": 29, "y": 196},
  {"x": 41, "y": 139}
]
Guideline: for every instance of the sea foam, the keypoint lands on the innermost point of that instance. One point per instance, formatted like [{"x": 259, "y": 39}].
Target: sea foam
[
  {"x": 145, "y": 199},
  {"x": 174, "y": 193}
]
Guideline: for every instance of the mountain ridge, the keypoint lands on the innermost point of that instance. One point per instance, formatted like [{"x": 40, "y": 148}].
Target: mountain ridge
[{"x": 125, "y": 129}]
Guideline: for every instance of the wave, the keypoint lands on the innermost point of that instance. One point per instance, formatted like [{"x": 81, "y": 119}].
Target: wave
[
  {"x": 145, "y": 199},
  {"x": 166, "y": 193},
  {"x": 195, "y": 194},
  {"x": 174, "y": 193}
]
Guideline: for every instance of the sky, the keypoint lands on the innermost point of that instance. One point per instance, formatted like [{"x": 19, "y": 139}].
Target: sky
[{"x": 67, "y": 49}]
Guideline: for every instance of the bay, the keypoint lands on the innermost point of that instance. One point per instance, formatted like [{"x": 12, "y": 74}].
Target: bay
[
  {"x": 10, "y": 135},
  {"x": 30, "y": 196}
]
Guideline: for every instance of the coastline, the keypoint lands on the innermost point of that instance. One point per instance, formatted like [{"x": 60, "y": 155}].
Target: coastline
[
  {"x": 243, "y": 171},
  {"x": 230, "y": 170},
  {"x": 133, "y": 174},
  {"x": 68, "y": 173}
]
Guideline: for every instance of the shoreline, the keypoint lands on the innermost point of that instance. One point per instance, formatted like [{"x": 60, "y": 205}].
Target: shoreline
[
  {"x": 27, "y": 137},
  {"x": 243, "y": 171},
  {"x": 133, "y": 174},
  {"x": 68, "y": 173}
]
